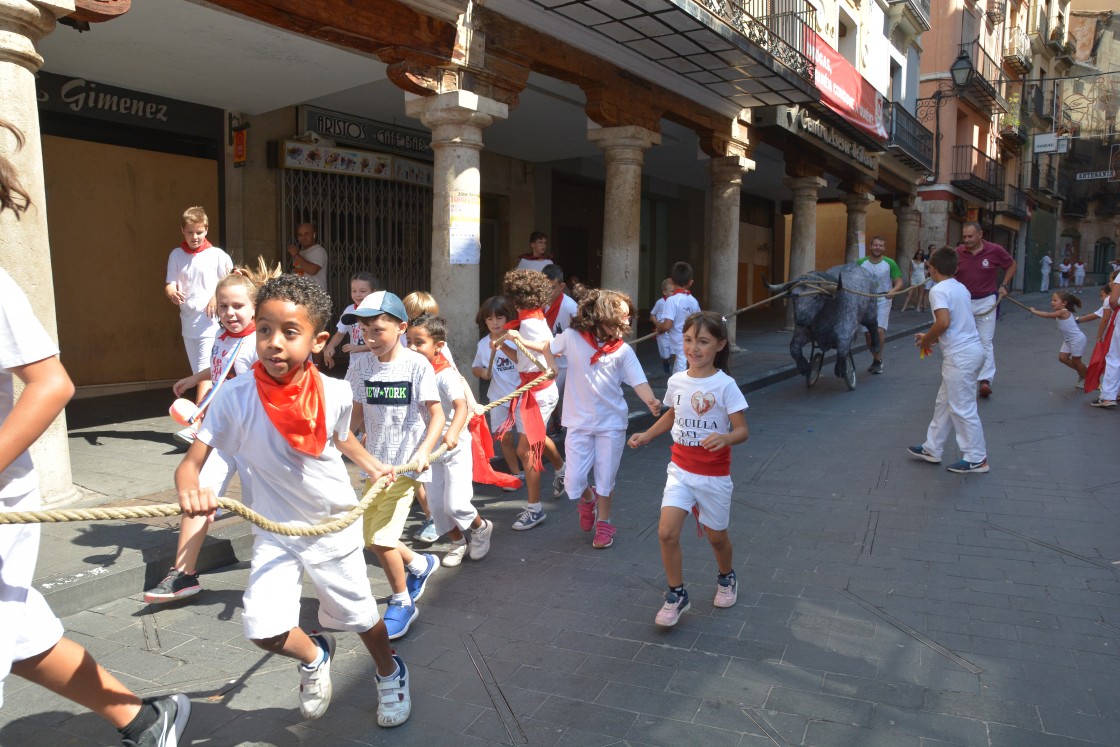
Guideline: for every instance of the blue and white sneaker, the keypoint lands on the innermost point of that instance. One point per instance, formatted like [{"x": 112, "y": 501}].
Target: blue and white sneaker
[
  {"x": 398, "y": 618},
  {"x": 394, "y": 704},
  {"x": 426, "y": 532},
  {"x": 415, "y": 584},
  {"x": 919, "y": 452},
  {"x": 964, "y": 466},
  {"x": 315, "y": 682}
]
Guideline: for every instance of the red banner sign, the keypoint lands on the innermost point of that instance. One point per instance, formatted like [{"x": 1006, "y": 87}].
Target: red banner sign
[{"x": 846, "y": 92}]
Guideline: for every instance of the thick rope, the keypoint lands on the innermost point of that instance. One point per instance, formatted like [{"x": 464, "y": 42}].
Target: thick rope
[{"x": 287, "y": 530}]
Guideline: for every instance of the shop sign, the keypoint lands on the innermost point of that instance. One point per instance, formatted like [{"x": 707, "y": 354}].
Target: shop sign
[
  {"x": 365, "y": 133},
  {"x": 845, "y": 91},
  {"x": 1083, "y": 176},
  {"x": 88, "y": 98},
  {"x": 801, "y": 119},
  {"x": 315, "y": 157}
]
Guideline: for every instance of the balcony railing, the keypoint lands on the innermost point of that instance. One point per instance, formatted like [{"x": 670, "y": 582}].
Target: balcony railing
[
  {"x": 919, "y": 8},
  {"x": 1040, "y": 24},
  {"x": 779, "y": 27},
  {"x": 1049, "y": 181},
  {"x": 908, "y": 138},
  {"x": 984, "y": 87},
  {"x": 1015, "y": 204},
  {"x": 1036, "y": 103},
  {"x": 1017, "y": 54},
  {"x": 976, "y": 173},
  {"x": 1075, "y": 205}
]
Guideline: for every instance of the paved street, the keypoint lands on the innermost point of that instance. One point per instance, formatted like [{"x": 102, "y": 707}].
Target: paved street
[{"x": 883, "y": 600}]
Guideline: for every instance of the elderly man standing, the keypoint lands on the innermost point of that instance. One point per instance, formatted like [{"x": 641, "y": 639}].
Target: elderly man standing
[
  {"x": 309, "y": 258},
  {"x": 986, "y": 270}
]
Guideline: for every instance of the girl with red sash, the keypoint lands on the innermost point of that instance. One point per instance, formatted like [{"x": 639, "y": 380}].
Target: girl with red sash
[{"x": 706, "y": 412}]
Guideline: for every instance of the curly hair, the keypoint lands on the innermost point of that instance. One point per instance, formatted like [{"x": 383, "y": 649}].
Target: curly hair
[
  {"x": 600, "y": 313},
  {"x": 302, "y": 291},
  {"x": 12, "y": 194},
  {"x": 527, "y": 289},
  {"x": 249, "y": 279}
]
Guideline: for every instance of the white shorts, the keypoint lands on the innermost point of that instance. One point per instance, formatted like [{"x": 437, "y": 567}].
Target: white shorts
[
  {"x": 1075, "y": 346},
  {"x": 27, "y": 625},
  {"x": 584, "y": 450},
  {"x": 198, "y": 351},
  {"x": 546, "y": 401},
  {"x": 451, "y": 491},
  {"x": 712, "y": 495},
  {"x": 275, "y": 587},
  {"x": 883, "y": 311},
  {"x": 664, "y": 346}
]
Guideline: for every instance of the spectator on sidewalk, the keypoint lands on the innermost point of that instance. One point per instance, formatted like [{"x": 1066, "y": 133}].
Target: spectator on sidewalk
[
  {"x": 309, "y": 257},
  {"x": 1047, "y": 264},
  {"x": 538, "y": 257}
]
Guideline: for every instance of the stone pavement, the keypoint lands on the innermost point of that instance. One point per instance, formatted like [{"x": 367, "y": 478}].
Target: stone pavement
[{"x": 883, "y": 600}]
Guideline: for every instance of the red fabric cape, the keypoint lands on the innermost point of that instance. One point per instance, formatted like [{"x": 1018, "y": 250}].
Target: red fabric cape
[{"x": 1096, "y": 363}]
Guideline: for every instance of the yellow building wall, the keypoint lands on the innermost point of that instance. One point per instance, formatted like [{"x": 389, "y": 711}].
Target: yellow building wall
[
  {"x": 832, "y": 228},
  {"x": 109, "y": 248}
]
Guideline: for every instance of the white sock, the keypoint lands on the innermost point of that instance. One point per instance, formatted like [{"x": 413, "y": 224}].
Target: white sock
[
  {"x": 396, "y": 673},
  {"x": 459, "y": 542},
  {"x": 417, "y": 566},
  {"x": 403, "y": 598},
  {"x": 534, "y": 507}
]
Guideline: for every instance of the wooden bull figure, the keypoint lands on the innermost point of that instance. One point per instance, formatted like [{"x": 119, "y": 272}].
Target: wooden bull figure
[{"x": 829, "y": 316}]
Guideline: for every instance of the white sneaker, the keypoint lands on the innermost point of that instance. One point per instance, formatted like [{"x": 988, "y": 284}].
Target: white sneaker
[
  {"x": 454, "y": 556},
  {"x": 558, "y": 482},
  {"x": 394, "y": 704},
  {"x": 315, "y": 684},
  {"x": 480, "y": 540}
]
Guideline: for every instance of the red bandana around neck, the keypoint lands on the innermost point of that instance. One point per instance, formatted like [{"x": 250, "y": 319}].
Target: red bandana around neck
[
  {"x": 296, "y": 410},
  {"x": 205, "y": 245},
  {"x": 530, "y": 255},
  {"x": 227, "y": 335},
  {"x": 439, "y": 363},
  {"x": 685, "y": 291},
  {"x": 552, "y": 312},
  {"x": 606, "y": 348},
  {"x": 522, "y": 315}
]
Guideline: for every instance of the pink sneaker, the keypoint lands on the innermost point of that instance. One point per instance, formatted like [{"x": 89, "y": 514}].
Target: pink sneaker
[
  {"x": 675, "y": 605},
  {"x": 587, "y": 514},
  {"x": 727, "y": 591},
  {"x": 604, "y": 535}
]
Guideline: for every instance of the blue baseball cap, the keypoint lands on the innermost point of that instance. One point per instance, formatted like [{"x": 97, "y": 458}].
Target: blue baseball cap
[{"x": 376, "y": 304}]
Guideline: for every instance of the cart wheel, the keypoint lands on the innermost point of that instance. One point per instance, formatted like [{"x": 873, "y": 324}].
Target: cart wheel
[
  {"x": 815, "y": 362},
  {"x": 850, "y": 373}
]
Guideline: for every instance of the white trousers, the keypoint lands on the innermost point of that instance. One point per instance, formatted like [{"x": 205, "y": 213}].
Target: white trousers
[
  {"x": 1045, "y": 286},
  {"x": 955, "y": 406},
  {"x": 1110, "y": 381},
  {"x": 451, "y": 490},
  {"x": 984, "y": 309}
]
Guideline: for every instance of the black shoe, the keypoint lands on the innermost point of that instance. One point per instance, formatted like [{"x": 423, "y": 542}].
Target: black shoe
[
  {"x": 876, "y": 367},
  {"x": 172, "y": 714},
  {"x": 175, "y": 585}
]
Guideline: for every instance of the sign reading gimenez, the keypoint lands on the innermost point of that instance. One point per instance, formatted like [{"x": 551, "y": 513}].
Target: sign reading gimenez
[{"x": 799, "y": 117}]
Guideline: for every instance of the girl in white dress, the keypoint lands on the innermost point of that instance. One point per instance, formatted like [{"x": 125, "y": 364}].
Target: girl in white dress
[{"x": 1063, "y": 304}]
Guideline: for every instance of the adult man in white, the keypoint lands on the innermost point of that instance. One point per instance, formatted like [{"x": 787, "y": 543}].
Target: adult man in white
[
  {"x": 887, "y": 278},
  {"x": 1046, "y": 263},
  {"x": 309, "y": 257},
  {"x": 979, "y": 270}
]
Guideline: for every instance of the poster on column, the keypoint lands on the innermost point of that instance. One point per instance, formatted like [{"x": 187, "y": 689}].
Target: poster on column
[{"x": 464, "y": 236}]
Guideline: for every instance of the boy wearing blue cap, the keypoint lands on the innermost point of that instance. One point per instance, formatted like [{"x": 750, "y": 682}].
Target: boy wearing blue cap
[{"x": 403, "y": 421}]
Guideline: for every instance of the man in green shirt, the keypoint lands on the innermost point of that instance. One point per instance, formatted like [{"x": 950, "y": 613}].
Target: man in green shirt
[{"x": 887, "y": 277}]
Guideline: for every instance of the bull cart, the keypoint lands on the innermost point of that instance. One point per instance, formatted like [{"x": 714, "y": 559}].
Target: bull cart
[{"x": 816, "y": 360}]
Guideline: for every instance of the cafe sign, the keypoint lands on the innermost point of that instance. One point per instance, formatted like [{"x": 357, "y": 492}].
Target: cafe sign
[
  {"x": 801, "y": 120},
  {"x": 365, "y": 133}
]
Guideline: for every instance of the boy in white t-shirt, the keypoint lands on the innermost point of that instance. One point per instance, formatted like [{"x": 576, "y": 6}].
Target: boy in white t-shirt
[
  {"x": 679, "y": 306},
  {"x": 502, "y": 373},
  {"x": 287, "y": 427},
  {"x": 962, "y": 356},
  {"x": 404, "y": 421}
]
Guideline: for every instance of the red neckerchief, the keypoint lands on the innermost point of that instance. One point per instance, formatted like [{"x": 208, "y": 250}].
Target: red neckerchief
[
  {"x": 439, "y": 363},
  {"x": 530, "y": 255},
  {"x": 685, "y": 291},
  {"x": 522, "y": 315},
  {"x": 664, "y": 297},
  {"x": 552, "y": 311},
  {"x": 205, "y": 245},
  {"x": 606, "y": 348},
  {"x": 297, "y": 410},
  {"x": 236, "y": 336}
]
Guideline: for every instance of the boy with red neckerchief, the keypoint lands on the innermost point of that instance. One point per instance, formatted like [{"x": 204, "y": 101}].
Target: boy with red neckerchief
[
  {"x": 288, "y": 428},
  {"x": 529, "y": 291},
  {"x": 680, "y": 305},
  {"x": 538, "y": 256}
]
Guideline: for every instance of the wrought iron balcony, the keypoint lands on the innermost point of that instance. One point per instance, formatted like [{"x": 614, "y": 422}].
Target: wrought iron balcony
[
  {"x": 1015, "y": 204},
  {"x": 997, "y": 10},
  {"x": 920, "y": 9},
  {"x": 776, "y": 26},
  {"x": 1017, "y": 54},
  {"x": 1040, "y": 25},
  {"x": 1037, "y": 104},
  {"x": 1057, "y": 38},
  {"x": 1075, "y": 205},
  {"x": 1013, "y": 124},
  {"x": 1049, "y": 181},
  {"x": 977, "y": 174},
  {"x": 984, "y": 87},
  {"x": 909, "y": 139}
]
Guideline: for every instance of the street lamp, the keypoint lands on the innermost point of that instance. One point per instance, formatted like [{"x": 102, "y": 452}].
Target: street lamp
[
  {"x": 961, "y": 70},
  {"x": 960, "y": 74}
]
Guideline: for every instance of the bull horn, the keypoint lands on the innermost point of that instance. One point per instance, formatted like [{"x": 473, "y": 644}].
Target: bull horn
[
  {"x": 780, "y": 287},
  {"x": 839, "y": 282}
]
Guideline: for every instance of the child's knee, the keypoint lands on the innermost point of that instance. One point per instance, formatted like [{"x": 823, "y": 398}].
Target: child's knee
[
  {"x": 717, "y": 537},
  {"x": 273, "y": 644},
  {"x": 668, "y": 534}
]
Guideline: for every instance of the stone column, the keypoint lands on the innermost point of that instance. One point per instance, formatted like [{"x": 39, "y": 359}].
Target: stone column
[
  {"x": 857, "y": 204},
  {"x": 803, "y": 229},
  {"x": 907, "y": 240},
  {"x": 456, "y": 120},
  {"x": 24, "y": 250},
  {"x": 726, "y": 175},
  {"x": 624, "y": 150}
]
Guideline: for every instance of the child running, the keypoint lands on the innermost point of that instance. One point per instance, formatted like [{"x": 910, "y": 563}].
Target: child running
[
  {"x": 289, "y": 420},
  {"x": 656, "y": 315},
  {"x": 1063, "y": 304},
  {"x": 361, "y": 285},
  {"x": 595, "y": 413},
  {"x": 451, "y": 494},
  {"x": 502, "y": 375},
  {"x": 403, "y": 422},
  {"x": 234, "y": 353},
  {"x": 529, "y": 291},
  {"x": 707, "y": 414}
]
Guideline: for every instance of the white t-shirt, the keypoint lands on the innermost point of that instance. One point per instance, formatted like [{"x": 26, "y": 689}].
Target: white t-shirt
[
  {"x": 503, "y": 376},
  {"x": 283, "y": 484},
  {"x": 22, "y": 341},
  {"x": 679, "y": 307},
  {"x": 224, "y": 346},
  {"x": 658, "y": 309},
  {"x": 532, "y": 330},
  {"x": 593, "y": 395},
  {"x": 1046, "y": 263},
  {"x": 702, "y": 407},
  {"x": 353, "y": 333},
  {"x": 952, "y": 295},
  {"x": 318, "y": 255},
  {"x": 196, "y": 276},
  {"x": 568, "y": 309},
  {"x": 450, "y": 386},
  {"x": 395, "y": 416},
  {"x": 525, "y": 263}
]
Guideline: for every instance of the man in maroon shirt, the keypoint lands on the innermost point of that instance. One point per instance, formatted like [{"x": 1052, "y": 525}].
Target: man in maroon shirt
[{"x": 986, "y": 269}]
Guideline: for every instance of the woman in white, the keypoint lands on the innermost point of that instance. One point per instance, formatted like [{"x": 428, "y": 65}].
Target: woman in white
[{"x": 917, "y": 293}]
